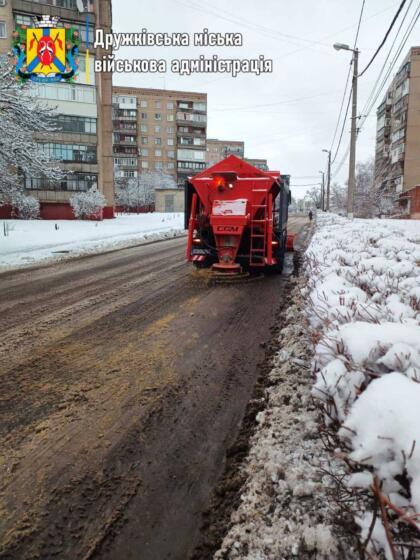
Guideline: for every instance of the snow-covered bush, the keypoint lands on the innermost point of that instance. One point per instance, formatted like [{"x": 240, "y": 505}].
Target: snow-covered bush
[
  {"x": 25, "y": 207},
  {"x": 88, "y": 204},
  {"x": 364, "y": 315}
]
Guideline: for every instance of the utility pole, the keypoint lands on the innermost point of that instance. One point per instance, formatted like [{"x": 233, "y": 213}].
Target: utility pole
[
  {"x": 353, "y": 136},
  {"x": 327, "y": 205},
  {"x": 323, "y": 191}
]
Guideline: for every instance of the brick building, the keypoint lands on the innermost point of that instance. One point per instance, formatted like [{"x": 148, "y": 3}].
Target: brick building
[
  {"x": 397, "y": 155},
  {"x": 159, "y": 130},
  {"x": 221, "y": 149}
]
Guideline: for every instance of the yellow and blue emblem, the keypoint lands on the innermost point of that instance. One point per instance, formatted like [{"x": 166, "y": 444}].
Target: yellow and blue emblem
[{"x": 46, "y": 52}]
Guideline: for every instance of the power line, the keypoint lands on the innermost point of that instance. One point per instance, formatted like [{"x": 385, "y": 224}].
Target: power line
[
  {"x": 234, "y": 18},
  {"x": 308, "y": 185},
  {"x": 385, "y": 38},
  {"x": 375, "y": 94},
  {"x": 403, "y": 42},
  {"x": 345, "y": 91},
  {"x": 284, "y": 102},
  {"x": 342, "y": 128},
  {"x": 372, "y": 93}
]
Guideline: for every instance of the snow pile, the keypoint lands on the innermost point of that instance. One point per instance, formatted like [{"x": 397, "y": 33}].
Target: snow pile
[
  {"x": 363, "y": 295},
  {"x": 286, "y": 510},
  {"x": 27, "y": 242}
]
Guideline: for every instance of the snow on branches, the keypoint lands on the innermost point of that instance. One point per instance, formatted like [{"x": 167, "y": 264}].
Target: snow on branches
[
  {"x": 22, "y": 117},
  {"x": 89, "y": 204},
  {"x": 137, "y": 192},
  {"x": 363, "y": 301}
]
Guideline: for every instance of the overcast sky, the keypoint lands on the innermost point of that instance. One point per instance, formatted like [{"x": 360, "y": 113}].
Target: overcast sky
[{"x": 288, "y": 116}]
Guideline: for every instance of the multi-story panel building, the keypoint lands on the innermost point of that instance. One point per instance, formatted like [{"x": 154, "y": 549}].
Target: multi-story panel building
[
  {"x": 84, "y": 143},
  {"x": 259, "y": 163},
  {"x": 220, "y": 149},
  {"x": 168, "y": 132},
  {"x": 397, "y": 156}
]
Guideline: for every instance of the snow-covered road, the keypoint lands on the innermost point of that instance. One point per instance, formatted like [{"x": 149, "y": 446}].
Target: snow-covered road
[{"x": 29, "y": 242}]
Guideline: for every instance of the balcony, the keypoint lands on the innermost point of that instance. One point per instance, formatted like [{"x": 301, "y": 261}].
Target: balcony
[
  {"x": 123, "y": 118},
  {"x": 125, "y": 150},
  {"x": 191, "y": 119},
  {"x": 125, "y": 126}
]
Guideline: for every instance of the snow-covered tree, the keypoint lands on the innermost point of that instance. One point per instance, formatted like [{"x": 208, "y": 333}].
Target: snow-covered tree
[
  {"x": 21, "y": 117},
  {"x": 152, "y": 180},
  {"x": 364, "y": 195},
  {"x": 314, "y": 196},
  {"x": 338, "y": 198},
  {"x": 88, "y": 204},
  {"x": 137, "y": 192}
]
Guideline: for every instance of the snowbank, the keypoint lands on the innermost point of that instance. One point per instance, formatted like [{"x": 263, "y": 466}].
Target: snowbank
[
  {"x": 286, "y": 510},
  {"x": 364, "y": 312},
  {"x": 32, "y": 241}
]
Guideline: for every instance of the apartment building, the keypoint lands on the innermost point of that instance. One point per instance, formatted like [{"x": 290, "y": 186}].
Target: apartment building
[
  {"x": 159, "y": 130},
  {"x": 259, "y": 163},
  {"x": 221, "y": 149},
  {"x": 84, "y": 143},
  {"x": 397, "y": 155}
]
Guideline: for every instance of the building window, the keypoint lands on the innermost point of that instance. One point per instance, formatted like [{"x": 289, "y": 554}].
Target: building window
[
  {"x": 143, "y": 104},
  {"x": 199, "y": 106},
  {"x": 170, "y": 141},
  {"x": 170, "y": 129},
  {"x": 145, "y": 164},
  {"x": 73, "y": 182},
  {"x": 169, "y": 118},
  {"x": 158, "y": 165},
  {"x": 144, "y": 116},
  {"x": 171, "y": 154},
  {"x": 143, "y": 127},
  {"x": 190, "y": 165},
  {"x": 157, "y": 104},
  {"x": 157, "y": 129},
  {"x": 158, "y": 153},
  {"x": 125, "y": 162},
  {"x": 64, "y": 92},
  {"x": 170, "y": 105},
  {"x": 158, "y": 117},
  {"x": 70, "y": 152},
  {"x": 2, "y": 30},
  {"x": 184, "y": 105},
  {"x": 144, "y": 152},
  {"x": 171, "y": 165},
  {"x": 191, "y": 117},
  {"x": 125, "y": 173},
  {"x": 158, "y": 141},
  {"x": 144, "y": 140},
  {"x": 82, "y": 125}
]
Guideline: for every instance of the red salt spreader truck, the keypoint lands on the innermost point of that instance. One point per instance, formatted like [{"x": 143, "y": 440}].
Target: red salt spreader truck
[{"x": 236, "y": 216}]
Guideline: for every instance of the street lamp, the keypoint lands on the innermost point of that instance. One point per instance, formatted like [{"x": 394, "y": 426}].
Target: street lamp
[
  {"x": 353, "y": 133},
  {"x": 327, "y": 205},
  {"x": 341, "y": 47},
  {"x": 322, "y": 191}
]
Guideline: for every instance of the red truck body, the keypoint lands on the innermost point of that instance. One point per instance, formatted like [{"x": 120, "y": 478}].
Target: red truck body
[{"x": 236, "y": 216}]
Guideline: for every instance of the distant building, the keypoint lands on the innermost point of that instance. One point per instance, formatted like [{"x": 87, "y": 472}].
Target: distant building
[
  {"x": 83, "y": 146},
  {"x": 397, "y": 155},
  {"x": 221, "y": 149},
  {"x": 259, "y": 163},
  {"x": 169, "y": 200},
  {"x": 159, "y": 130}
]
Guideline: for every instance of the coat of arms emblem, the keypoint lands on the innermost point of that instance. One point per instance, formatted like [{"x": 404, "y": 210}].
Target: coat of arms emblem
[{"x": 46, "y": 52}]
